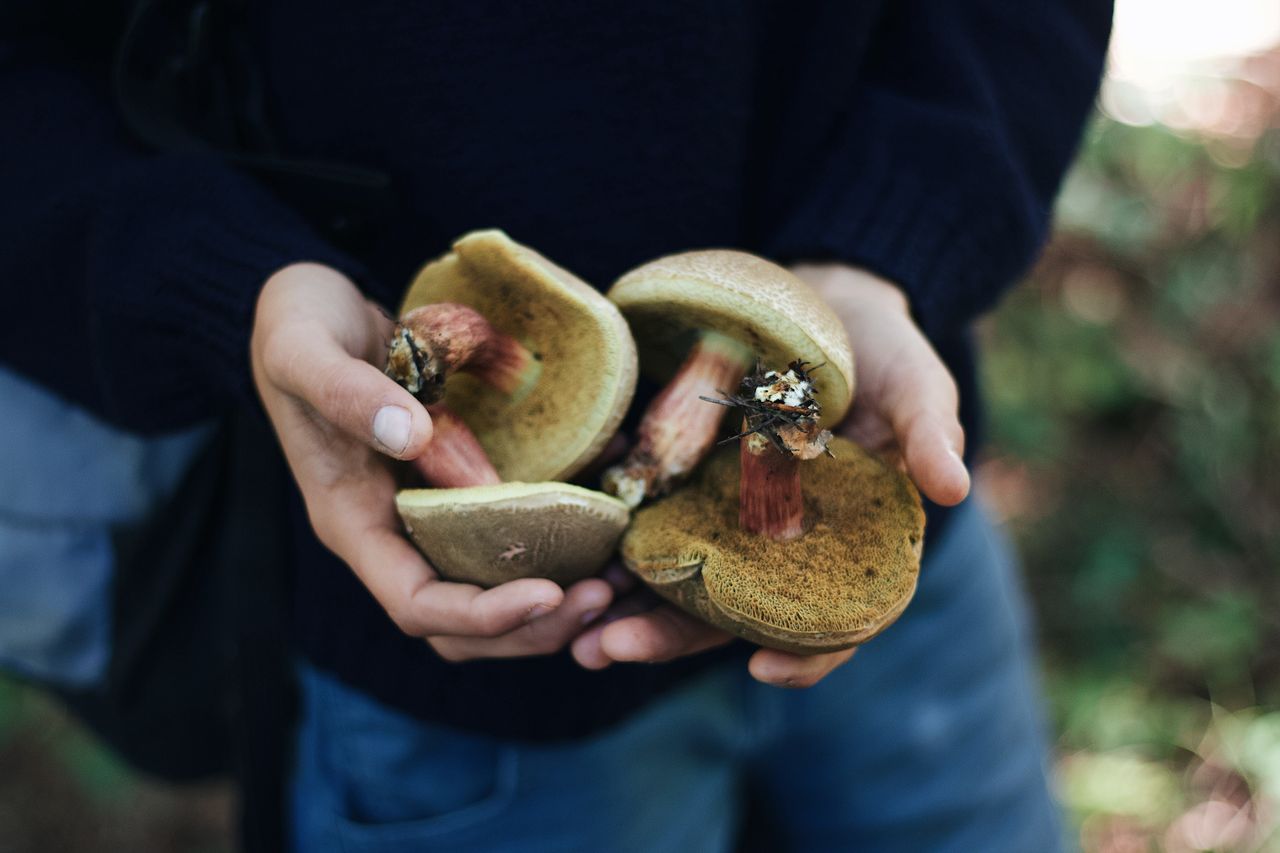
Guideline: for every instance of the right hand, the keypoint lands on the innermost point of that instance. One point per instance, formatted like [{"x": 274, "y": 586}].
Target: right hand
[
  {"x": 317, "y": 350},
  {"x": 907, "y": 404}
]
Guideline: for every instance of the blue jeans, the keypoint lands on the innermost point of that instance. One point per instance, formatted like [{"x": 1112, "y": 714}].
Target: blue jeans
[
  {"x": 68, "y": 482},
  {"x": 930, "y": 739}
]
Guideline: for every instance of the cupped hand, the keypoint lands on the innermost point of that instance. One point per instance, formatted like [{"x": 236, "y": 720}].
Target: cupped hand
[
  {"x": 906, "y": 407},
  {"x": 316, "y": 350}
]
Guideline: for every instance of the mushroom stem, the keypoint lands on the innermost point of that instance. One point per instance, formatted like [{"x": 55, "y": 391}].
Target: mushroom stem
[
  {"x": 454, "y": 458},
  {"x": 678, "y": 429},
  {"x": 779, "y": 431},
  {"x": 770, "y": 500},
  {"x": 433, "y": 341}
]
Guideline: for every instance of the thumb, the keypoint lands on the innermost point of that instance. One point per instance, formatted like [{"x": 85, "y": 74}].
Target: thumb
[
  {"x": 357, "y": 398},
  {"x": 922, "y": 407}
]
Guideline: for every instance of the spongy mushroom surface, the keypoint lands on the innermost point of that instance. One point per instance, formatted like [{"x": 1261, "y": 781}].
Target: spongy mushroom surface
[
  {"x": 587, "y": 365},
  {"x": 746, "y": 298},
  {"x": 845, "y": 580},
  {"x": 489, "y": 535}
]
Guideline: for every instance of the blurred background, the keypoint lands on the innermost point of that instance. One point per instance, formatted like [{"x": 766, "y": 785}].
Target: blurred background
[
  {"x": 1134, "y": 397},
  {"x": 1134, "y": 388}
]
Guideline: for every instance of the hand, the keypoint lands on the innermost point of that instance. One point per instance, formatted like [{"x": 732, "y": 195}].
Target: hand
[
  {"x": 905, "y": 406},
  {"x": 641, "y": 628},
  {"x": 317, "y": 349}
]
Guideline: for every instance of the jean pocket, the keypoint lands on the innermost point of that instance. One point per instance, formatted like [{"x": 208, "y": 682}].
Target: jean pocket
[{"x": 402, "y": 780}]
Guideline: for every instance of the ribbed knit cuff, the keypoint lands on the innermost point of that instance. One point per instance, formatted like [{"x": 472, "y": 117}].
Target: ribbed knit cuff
[{"x": 175, "y": 273}]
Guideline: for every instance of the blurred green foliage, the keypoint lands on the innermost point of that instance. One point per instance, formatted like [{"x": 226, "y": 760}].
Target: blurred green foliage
[
  {"x": 1134, "y": 389},
  {"x": 60, "y": 789}
]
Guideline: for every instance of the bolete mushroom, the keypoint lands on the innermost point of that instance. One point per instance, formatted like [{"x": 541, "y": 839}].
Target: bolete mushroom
[
  {"x": 803, "y": 556},
  {"x": 540, "y": 369},
  {"x": 701, "y": 320},
  {"x": 845, "y": 580}
]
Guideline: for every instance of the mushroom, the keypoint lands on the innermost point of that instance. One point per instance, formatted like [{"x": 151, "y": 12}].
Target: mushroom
[
  {"x": 540, "y": 369},
  {"x": 804, "y": 565},
  {"x": 489, "y": 535},
  {"x": 845, "y": 580},
  {"x": 701, "y": 320}
]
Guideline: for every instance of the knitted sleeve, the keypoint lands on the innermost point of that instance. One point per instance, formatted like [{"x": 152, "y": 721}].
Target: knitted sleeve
[
  {"x": 942, "y": 174},
  {"x": 128, "y": 277}
]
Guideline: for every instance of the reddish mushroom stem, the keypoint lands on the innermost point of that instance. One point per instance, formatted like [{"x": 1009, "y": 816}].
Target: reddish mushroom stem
[
  {"x": 433, "y": 341},
  {"x": 770, "y": 499},
  {"x": 678, "y": 430},
  {"x": 779, "y": 431},
  {"x": 454, "y": 458}
]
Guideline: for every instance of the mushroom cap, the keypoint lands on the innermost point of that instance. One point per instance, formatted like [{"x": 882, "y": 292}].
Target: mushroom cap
[
  {"x": 847, "y": 579},
  {"x": 561, "y": 421},
  {"x": 489, "y": 535},
  {"x": 753, "y": 301}
]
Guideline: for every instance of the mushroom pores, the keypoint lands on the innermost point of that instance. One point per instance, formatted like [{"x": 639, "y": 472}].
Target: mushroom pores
[
  {"x": 587, "y": 373},
  {"x": 849, "y": 577},
  {"x": 488, "y": 535}
]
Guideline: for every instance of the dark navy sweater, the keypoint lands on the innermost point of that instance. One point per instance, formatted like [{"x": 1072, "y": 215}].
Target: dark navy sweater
[{"x": 923, "y": 139}]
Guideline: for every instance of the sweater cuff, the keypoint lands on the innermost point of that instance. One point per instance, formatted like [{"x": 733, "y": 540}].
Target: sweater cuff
[{"x": 174, "y": 279}]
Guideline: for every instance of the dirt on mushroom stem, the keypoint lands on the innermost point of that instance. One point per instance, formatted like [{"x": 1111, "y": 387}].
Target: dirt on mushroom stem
[
  {"x": 432, "y": 341},
  {"x": 779, "y": 431}
]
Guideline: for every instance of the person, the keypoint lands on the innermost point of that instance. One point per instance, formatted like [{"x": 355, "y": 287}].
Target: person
[{"x": 902, "y": 157}]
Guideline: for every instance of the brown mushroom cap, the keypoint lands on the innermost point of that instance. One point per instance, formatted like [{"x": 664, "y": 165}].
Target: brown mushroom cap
[
  {"x": 746, "y": 298},
  {"x": 848, "y": 578},
  {"x": 553, "y": 428},
  {"x": 489, "y": 535}
]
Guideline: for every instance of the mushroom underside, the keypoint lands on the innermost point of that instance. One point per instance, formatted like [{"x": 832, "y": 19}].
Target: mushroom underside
[
  {"x": 586, "y": 371},
  {"x": 849, "y": 577},
  {"x": 488, "y": 535}
]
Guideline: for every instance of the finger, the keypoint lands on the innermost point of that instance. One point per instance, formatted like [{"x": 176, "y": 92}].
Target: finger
[
  {"x": 586, "y": 647},
  {"x": 923, "y": 409},
  {"x": 348, "y": 392},
  {"x": 933, "y": 461},
  {"x": 661, "y": 634},
  {"x": 782, "y": 669},
  {"x": 583, "y": 603}
]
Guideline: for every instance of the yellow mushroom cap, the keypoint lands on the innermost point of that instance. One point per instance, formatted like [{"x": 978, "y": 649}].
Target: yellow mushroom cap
[
  {"x": 849, "y": 577},
  {"x": 560, "y": 422},
  {"x": 753, "y": 301},
  {"x": 489, "y": 535}
]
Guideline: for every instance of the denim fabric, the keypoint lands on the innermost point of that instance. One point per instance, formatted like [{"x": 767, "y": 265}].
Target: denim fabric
[
  {"x": 930, "y": 739},
  {"x": 66, "y": 479}
]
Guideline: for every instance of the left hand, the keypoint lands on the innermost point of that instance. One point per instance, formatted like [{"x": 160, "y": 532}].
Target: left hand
[{"x": 905, "y": 406}]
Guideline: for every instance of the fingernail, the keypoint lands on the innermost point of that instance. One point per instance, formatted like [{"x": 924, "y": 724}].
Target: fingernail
[
  {"x": 391, "y": 427},
  {"x": 537, "y": 611},
  {"x": 591, "y": 616}
]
